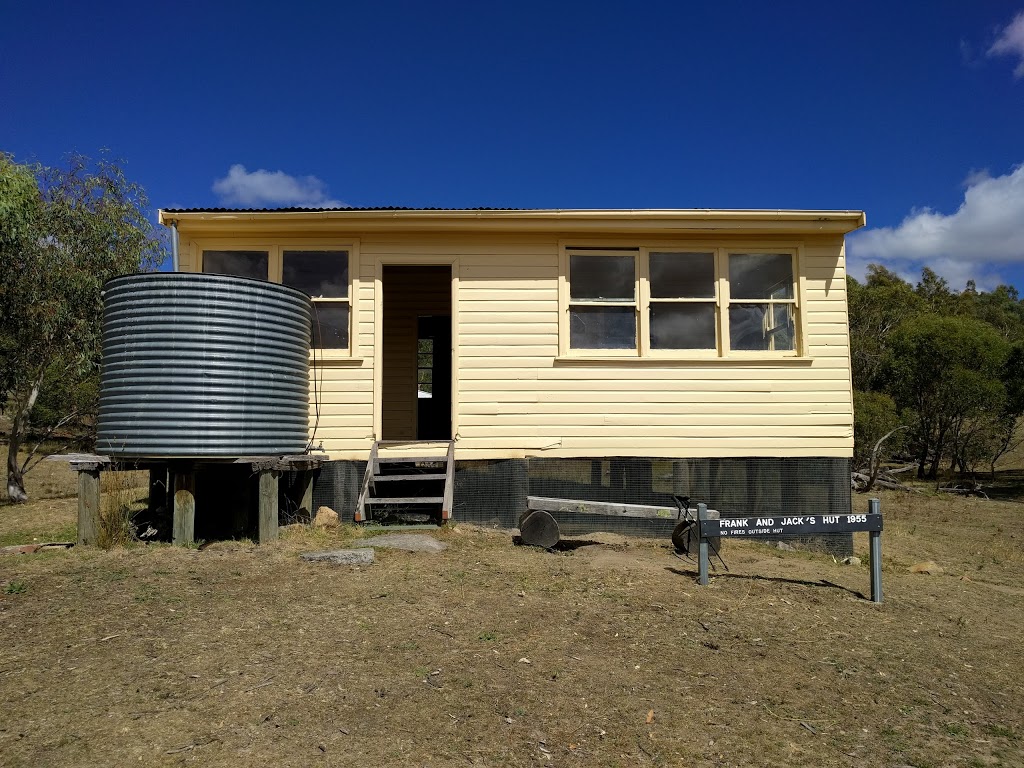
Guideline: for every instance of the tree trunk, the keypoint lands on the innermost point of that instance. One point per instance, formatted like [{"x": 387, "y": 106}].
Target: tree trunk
[
  {"x": 19, "y": 423},
  {"x": 922, "y": 461}
]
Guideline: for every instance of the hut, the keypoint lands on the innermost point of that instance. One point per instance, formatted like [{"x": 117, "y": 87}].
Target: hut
[{"x": 608, "y": 355}]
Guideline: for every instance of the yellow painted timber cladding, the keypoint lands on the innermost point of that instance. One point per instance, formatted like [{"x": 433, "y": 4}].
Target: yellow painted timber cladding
[{"x": 518, "y": 390}]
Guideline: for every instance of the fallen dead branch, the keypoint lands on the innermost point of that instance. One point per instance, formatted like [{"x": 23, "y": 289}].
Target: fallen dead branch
[
  {"x": 862, "y": 483},
  {"x": 965, "y": 489}
]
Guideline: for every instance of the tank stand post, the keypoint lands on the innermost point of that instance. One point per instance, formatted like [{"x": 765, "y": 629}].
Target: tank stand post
[
  {"x": 306, "y": 492},
  {"x": 88, "y": 506},
  {"x": 268, "y": 505},
  {"x": 184, "y": 484},
  {"x": 158, "y": 489}
]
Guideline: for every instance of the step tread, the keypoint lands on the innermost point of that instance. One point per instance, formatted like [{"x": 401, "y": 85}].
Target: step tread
[
  {"x": 392, "y": 478},
  {"x": 406, "y": 500},
  {"x": 411, "y": 459}
]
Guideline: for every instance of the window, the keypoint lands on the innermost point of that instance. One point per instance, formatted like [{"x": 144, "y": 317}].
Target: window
[
  {"x": 324, "y": 276},
  {"x": 322, "y": 272},
  {"x": 762, "y": 302},
  {"x": 683, "y": 300},
  {"x": 602, "y": 301},
  {"x": 255, "y": 264},
  {"x": 674, "y": 302},
  {"x": 425, "y": 367}
]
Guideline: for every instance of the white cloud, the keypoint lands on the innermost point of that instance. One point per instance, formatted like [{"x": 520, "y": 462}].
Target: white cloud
[
  {"x": 267, "y": 189},
  {"x": 986, "y": 230},
  {"x": 1011, "y": 43}
]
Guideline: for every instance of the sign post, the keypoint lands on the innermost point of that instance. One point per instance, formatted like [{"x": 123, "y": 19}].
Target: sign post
[
  {"x": 780, "y": 526},
  {"x": 702, "y": 546},
  {"x": 875, "y": 509}
]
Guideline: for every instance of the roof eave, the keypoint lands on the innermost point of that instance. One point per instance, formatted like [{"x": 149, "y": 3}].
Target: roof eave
[{"x": 592, "y": 220}]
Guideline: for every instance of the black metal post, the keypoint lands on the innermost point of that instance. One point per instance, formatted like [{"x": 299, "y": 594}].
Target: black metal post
[
  {"x": 702, "y": 546},
  {"x": 875, "y": 508}
]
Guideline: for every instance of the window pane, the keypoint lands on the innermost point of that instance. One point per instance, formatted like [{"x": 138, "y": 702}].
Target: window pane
[
  {"x": 318, "y": 273},
  {"x": 601, "y": 277},
  {"x": 761, "y": 275},
  {"x": 682, "y": 275},
  {"x": 761, "y": 327},
  {"x": 602, "y": 328},
  {"x": 238, "y": 263},
  {"x": 682, "y": 326},
  {"x": 330, "y": 325},
  {"x": 784, "y": 330}
]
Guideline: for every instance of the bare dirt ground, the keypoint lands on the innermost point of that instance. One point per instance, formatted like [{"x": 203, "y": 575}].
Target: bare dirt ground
[{"x": 493, "y": 654}]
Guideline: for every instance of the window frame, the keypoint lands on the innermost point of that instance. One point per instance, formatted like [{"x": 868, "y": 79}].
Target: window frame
[
  {"x": 632, "y": 252},
  {"x": 276, "y": 249},
  {"x": 722, "y": 300}
]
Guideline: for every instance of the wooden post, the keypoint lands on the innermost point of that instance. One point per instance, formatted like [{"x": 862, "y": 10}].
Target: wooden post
[
  {"x": 306, "y": 492},
  {"x": 449, "y": 482},
  {"x": 680, "y": 486},
  {"x": 241, "y": 521},
  {"x": 158, "y": 491},
  {"x": 268, "y": 505},
  {"x": 88, "y": 506},
  {"x": 184, "y": 506}
]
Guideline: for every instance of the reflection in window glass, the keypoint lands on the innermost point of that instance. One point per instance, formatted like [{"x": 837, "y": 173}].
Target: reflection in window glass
[
  {"x": 601, "y": 277},
  {"x": 318, "y": 273},
  {"x": 683, "y": 326},
  {"x": 682, "y": 275},
  {"x": 761, "y": 275},
  {"x": 602, "y": 327},
  {"x": 784, "y": 327},
  {"x": 238, "y": 263},
  {"x": 761, "y": 327},
  {"x": 330, "y": 325}
]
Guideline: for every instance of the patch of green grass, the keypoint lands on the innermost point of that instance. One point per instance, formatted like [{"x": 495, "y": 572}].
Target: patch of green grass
[
  {"x": 1001, "y": 731},
  {"x": 144, "y": 593},
  {"x": 487, "y": 636},
  {"x": 893, "y": 739},
  {"x": 14, "y": 538},
  {"x": 16, "y": 588},
  {"x": 958, "y": 730}
]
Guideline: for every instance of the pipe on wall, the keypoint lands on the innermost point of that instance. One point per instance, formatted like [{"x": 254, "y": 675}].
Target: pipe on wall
[{"x": 174, "y": 245}]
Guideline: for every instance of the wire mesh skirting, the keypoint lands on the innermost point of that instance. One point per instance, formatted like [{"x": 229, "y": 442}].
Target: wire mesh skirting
[{"x": 493, "y": 492}]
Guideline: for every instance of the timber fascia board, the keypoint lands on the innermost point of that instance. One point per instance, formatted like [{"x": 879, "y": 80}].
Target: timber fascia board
[{"x": 571, "y": 222}]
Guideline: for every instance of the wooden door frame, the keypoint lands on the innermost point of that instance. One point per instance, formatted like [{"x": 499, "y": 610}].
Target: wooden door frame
[{"x": 378, "y": 331}]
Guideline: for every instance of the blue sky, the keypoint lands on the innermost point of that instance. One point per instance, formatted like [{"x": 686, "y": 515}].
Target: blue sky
[{"x": 912, "y": 112}]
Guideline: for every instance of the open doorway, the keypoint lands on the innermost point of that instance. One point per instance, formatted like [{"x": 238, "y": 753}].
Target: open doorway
[{"x": 417, "y": 353}]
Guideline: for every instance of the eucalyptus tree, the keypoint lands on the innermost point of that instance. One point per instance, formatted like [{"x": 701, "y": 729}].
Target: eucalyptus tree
[{"x": 64, "y": 231}]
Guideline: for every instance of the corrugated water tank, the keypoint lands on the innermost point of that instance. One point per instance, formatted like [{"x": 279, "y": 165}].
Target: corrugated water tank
[{"x": 198, "y": 365}]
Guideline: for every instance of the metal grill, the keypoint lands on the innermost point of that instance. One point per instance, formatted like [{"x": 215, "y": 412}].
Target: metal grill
[{"x": 493, "y": 493}]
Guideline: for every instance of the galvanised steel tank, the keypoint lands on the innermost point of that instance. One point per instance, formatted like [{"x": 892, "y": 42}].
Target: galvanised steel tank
[{"x": 198, "y": 365}]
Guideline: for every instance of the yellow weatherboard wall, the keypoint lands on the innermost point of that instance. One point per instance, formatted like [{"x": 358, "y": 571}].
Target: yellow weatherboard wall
[{"x": 517, "y": 390}]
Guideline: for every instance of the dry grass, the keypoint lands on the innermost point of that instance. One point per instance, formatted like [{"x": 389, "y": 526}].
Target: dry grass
[
  {"x": 122, "y": 496},
  {"x": 491, "y": 654}
]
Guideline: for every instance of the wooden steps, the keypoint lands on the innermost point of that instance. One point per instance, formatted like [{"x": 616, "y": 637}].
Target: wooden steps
[{"x": 407, "y": 477}]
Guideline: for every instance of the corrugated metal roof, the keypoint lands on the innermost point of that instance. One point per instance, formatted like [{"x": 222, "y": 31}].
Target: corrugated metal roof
[{"x": 321, "y": 210}]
